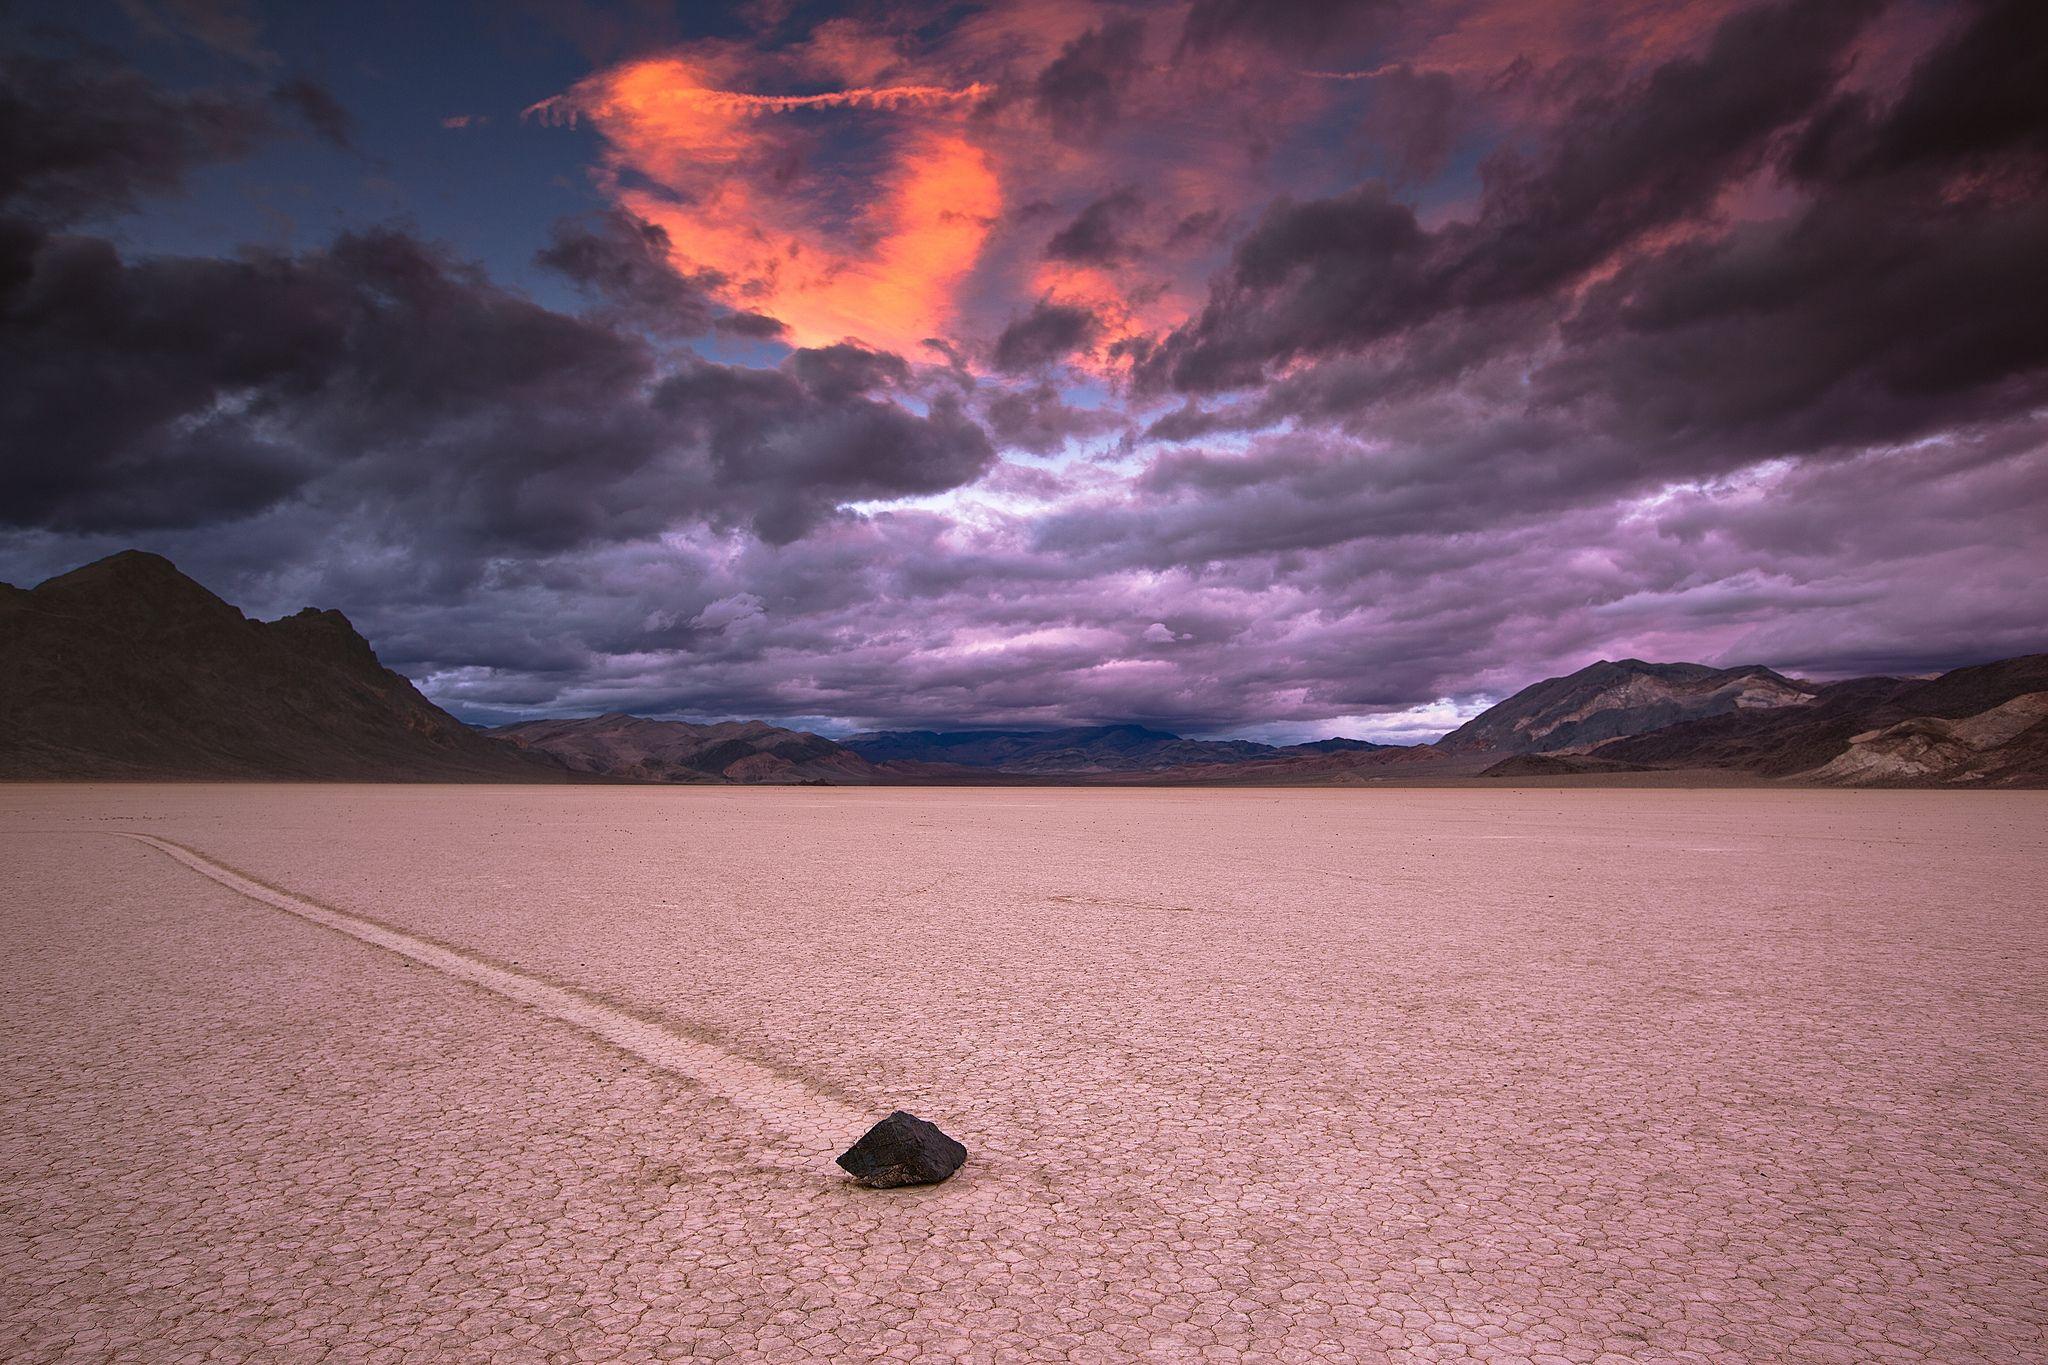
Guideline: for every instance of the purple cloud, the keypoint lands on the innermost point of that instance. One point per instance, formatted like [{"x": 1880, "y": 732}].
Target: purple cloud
[{"x": 1724, "y": 347}]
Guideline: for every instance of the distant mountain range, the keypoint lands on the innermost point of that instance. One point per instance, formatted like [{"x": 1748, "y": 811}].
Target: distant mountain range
[
  {"x": 128, "y": 669},
  {"x": 634, "y": 749},
  {"x": 1073, "y": 752}
]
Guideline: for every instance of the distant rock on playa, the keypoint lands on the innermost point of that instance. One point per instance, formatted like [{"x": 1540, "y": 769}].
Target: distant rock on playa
[{"x": 902, "y": 1149}]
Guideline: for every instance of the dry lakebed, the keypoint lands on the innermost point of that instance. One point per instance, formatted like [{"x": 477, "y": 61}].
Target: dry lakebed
[{"x": 1514, "y": 1075}]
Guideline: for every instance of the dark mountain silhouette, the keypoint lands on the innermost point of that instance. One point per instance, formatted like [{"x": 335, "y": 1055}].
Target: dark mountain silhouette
[
  {"x": 641, "y": 750},
  {"x": 1608, "y": 700},
  {"x": 128, "y": 669},
  {"x": 1334, "y": 746}
]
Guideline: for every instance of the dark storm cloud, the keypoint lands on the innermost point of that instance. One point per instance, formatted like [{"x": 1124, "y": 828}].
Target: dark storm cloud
[
  {"x": 754, "y": 326},
  {"x": 1653, "y": 153},
  {"x": 1414, "y": 121},
  {"x": 1038, "y": 420},
  {"x": 80, "y": 139},
  {"x": 1049, "y": 332},
  {"x": 1189, "y": 422},
  {"x": 797, "y": 442},
  {"x": 1874, "y": 316},
  {"x": 1729, "y": 352},
  {"x": 1895, "y": 298},
  {"x": 1314, "y": 277},
  {"x": 1900, "y": 298},
  {"x": 142, "y": 391},
  {"x": 1302, "y": 28},
  {"x": 1080, "y": 92},
  {"x": 315, "y": 105},
  {"x": 1983, "y": 93},
  {"x": 380, "y": 369},
  {"x": 625, "y": 263},
  {"x": 838, "y": 372},
  {"x": 1733, "y": 573},
  {"x": 1097, "y": 234},
  {"x": 1342, "y": 273},
  {"x": 382, "y": 377}
]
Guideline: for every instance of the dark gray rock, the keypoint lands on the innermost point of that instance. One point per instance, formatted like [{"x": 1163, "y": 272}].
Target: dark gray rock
[{"x": 902, "y": 1150}]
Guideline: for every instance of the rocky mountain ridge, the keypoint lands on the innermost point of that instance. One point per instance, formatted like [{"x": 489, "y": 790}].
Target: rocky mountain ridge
[
  {"x": 1963, "y": 727},
  {"x": 1612, "y": 699},
  {"x": 126, "y": 668}
]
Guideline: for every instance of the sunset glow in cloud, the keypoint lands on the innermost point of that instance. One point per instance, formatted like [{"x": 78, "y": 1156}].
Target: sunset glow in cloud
[
  {"x": 697, "y": 161},
  {"x": 928, "y": 207},
  {"x": 1228, "y": 366}
]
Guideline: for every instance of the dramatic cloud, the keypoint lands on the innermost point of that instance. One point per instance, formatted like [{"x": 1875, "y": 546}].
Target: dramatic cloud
[
  {"x": 1264, "y": 368},
  {"x": 1080, "y": 92},
  {"x": 378, "y": 369},
  {"x": 315, "y": 106},
  {"x": 1413, "y": 124},
  {"x": 706, "y": 168},
  {"x": 627, "y": 266},
  {"x": 1097, "y": 236},
  {"x": 1342, "y": 273},
  {"x": 1040, "y": 421},
  {"x": 1303, "y": 28},
  {"x": 80, "y": 138},
  {"x": 380, "y": 372},
  {"x": 1047, "y": 333}
]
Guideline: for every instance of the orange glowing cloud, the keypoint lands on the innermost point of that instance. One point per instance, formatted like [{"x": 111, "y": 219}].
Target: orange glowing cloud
[
  {"x": 914, "y": 186},
  {"x": 706, "y": 170},
  {"x": 917, "y": 183},
  {"x": 1120, "y": 311}
]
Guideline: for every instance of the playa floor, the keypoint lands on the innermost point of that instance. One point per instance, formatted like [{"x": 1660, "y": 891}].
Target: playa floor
[{"x": 363, "y": 1073}]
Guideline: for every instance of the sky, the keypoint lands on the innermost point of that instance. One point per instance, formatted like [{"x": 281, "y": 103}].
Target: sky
[{"x": 1262, "y": 368}]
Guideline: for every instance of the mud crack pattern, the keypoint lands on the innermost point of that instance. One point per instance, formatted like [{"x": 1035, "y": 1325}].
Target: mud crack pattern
[{"x": 1513, "y": 1076}]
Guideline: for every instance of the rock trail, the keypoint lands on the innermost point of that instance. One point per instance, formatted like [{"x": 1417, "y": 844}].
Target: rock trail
[{"x": 817, "y": 1123}]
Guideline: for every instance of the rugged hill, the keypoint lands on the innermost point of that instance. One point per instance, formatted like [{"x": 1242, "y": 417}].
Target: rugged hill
[
  {"x": 1078, "y": 751},
  {"x": 126, "y": 668},
  {"x": 1983, "y": 725},
  {"x": 1980, "y": 725},
  {"x": 636, "y": 749},
  {"x": 2004, "y": 745},
  {"x": 1608, "y": 700}
]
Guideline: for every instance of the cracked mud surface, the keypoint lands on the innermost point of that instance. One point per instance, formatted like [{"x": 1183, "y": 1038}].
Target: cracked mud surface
[{"x": 1406, "y": 1075}]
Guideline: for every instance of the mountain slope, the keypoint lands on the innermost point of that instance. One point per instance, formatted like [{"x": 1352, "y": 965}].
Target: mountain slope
[
  {"x": 1608, "y": 700},
  {"x": 1880, "y": 716},
  {"x": 2001, "y": 744},
  {"x": 126, "y": 668},
  {"x": 637, "y": 749}
]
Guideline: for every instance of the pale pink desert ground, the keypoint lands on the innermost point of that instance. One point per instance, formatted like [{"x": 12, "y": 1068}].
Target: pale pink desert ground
[{"x": 1287, "y": 1075}]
